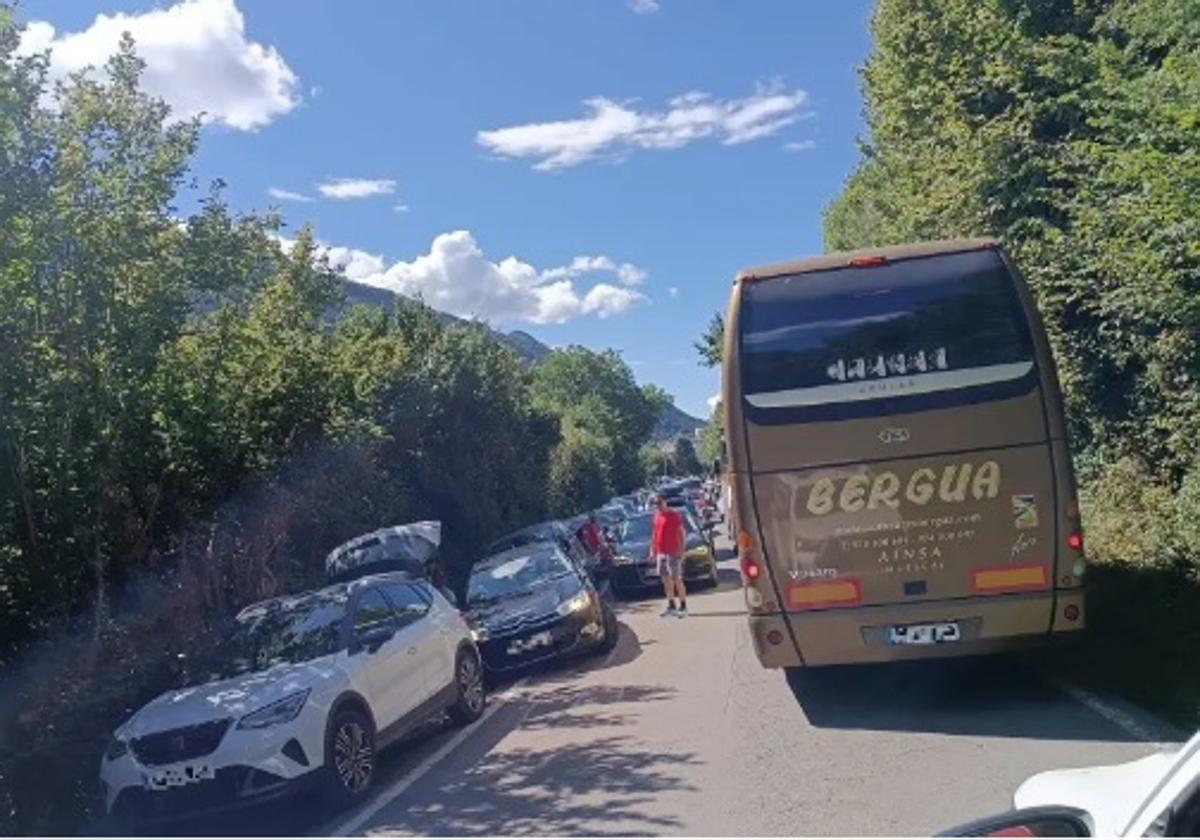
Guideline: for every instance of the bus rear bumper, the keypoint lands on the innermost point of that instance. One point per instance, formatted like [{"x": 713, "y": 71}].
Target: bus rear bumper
[{"x": 990, "y": 624}]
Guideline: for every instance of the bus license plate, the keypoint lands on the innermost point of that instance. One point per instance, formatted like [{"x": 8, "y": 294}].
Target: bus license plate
[{"x": 924, "y": 634}]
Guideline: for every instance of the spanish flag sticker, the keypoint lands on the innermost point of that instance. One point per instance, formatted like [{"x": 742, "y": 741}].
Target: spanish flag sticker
[{"x": 1025, "y": 513}]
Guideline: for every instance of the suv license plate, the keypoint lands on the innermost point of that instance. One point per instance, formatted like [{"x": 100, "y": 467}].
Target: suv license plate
[
  {"x": 924, "y": 634},
  {"x": 178, "y": 776}
]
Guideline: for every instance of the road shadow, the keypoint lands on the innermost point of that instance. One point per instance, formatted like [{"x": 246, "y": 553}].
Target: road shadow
[
  {"x": 1142, "y": 639},
  {"x": 581, "y": 782},
  {"x": 557, "y": 706},
  {"x": 727, "y": 580},
  {"x": 650, "y": 599},
  {"x": 997, "y": 696},
  {"x": 628, "y": 648},
  {"x": 297, "y": 815}
]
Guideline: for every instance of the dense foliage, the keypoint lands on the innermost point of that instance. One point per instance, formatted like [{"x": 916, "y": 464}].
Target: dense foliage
[
  {"x": 711, "y": 345},
  {"x": 606, "y": 417},
  {"x": 1071, "y": 130},
  {"x": 191, "y": 417},
  {"x": 712, "y": 438},
  {"x": 685, "y": 459}
]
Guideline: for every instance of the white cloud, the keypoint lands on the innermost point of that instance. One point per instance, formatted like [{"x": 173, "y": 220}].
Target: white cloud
[
  {"x": 456, "y": 277},
  {"x": 345, "y": 188},
  {"x": 643, "y": 7},
  {"x": 617, "y": 128},
  {"x": 627, "y": 274},
  {"x": 287, "y": 195},
  {"x": 673, "y": 291},
  {"x": 799, "y": 146},
  {"x": 712, "y": 401},
  {"x": 355, "y": 264},
  {"x": 197, "y": 59},
  {"x": 400, "y": 208}
]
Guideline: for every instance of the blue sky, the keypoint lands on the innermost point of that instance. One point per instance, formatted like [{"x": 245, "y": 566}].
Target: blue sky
[{"x": 617, "y": 149}]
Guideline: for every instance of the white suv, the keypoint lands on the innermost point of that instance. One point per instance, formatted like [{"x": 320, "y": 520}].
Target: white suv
[{"x": 308, "y": 687}]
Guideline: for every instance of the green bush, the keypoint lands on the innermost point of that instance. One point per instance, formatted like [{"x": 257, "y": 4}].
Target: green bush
[
  {"x": 1187, "y": 505},
  {"x": 186, "y": 427},
  {"x": 1131, "y": 516}
]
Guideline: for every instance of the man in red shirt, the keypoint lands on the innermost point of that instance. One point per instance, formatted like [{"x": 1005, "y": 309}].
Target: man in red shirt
[
  {"x": 592, "y": 537},
  {"x": 667, "y": 540}
]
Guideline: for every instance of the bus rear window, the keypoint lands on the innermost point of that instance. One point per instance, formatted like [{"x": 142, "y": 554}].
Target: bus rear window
[{"x": 907, "y": 330}]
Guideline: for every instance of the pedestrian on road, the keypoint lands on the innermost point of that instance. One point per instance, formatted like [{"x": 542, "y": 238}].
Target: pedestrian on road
[
  {"x": 667, "y": 540},
  {"x": 590, "y": 534}
]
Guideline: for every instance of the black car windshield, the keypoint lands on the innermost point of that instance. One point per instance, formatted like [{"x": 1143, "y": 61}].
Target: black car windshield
[
  {"x": 637, "y": 529},
  {"x": 513, "y": 573},
  {"x": 293, "y": 630},
  {"x": 530, "y": 536}
]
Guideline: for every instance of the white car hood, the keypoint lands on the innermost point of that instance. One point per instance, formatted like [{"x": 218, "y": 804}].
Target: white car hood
[
  {"x": 230, "y": 698},
  {"x": 1110, "y": 794}
]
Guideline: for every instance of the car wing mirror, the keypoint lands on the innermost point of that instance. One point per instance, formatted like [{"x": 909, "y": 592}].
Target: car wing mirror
[
  {"x": 373, "y": 638},
  {"x": 1043, "y": 821}
]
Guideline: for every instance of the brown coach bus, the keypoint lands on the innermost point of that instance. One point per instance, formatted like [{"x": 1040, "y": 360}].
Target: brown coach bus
[{"x": 901, "y": 480}]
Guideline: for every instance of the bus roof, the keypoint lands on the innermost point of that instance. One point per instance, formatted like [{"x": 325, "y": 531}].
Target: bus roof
[{"x": 842, "y": 258}]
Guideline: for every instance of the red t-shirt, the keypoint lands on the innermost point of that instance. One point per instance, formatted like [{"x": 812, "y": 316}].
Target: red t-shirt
[
  {"x": 590, "y": 535},
  {"x": 667, "y": 537}
]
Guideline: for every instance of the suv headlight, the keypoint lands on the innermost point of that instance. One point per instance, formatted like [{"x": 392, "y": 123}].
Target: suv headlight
[
  {"x": 577, "y": 602},
  {"x": 622, "y": 559},
  {"x": 281, "y": 711},
  {"x": 479, "y": 634}
]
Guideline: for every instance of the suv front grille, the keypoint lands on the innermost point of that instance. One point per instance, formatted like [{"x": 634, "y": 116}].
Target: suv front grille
[{"x": 181, "y": 744}]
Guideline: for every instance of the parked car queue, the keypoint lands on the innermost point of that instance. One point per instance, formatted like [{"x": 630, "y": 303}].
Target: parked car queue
[{"x": 307, "y": 688}]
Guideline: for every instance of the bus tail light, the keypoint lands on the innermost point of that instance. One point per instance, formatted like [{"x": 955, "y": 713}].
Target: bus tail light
[
  {"x": 815, "y": 594},
  {"x": 997, "y": 579},
  {"x": 750, "y": 568},
  {"x": 1075, "y": 541},
  {"x": 868, "y": 262},
  {"x": 745, "y": 542},
  {"x": 774, "y": 637}
]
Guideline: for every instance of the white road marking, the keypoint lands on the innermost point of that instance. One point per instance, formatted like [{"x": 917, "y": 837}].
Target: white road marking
[
  {"x": 351, "y": 825},
  {"x": 1158, "y": 734}
]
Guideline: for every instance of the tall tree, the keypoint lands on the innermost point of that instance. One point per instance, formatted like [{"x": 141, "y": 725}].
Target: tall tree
[
  {"x": 711, "y": 345},
  {"x": 597, "y": 392},
  {"x": 685, "y": 458},
  {"x": 1068, "y": 130}
]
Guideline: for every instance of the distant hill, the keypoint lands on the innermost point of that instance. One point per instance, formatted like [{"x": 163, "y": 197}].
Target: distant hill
[
  {"x": 671, "y": 425},
  {"x": 675, "y": 422},
  {"x": 528, "y": 348}
]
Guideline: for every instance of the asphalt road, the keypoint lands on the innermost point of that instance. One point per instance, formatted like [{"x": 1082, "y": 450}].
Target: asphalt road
[{"x": 680, "y": 731}]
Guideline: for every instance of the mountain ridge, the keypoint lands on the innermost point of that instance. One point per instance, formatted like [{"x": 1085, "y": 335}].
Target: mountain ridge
[{"x": 675, "y": 422}]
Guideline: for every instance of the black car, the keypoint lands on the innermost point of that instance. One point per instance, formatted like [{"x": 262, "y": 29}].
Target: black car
[
  {"x": 562, "y": 534},
  {"x": 532, "y": 604},
  {"x": 634, "y": 570}
]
